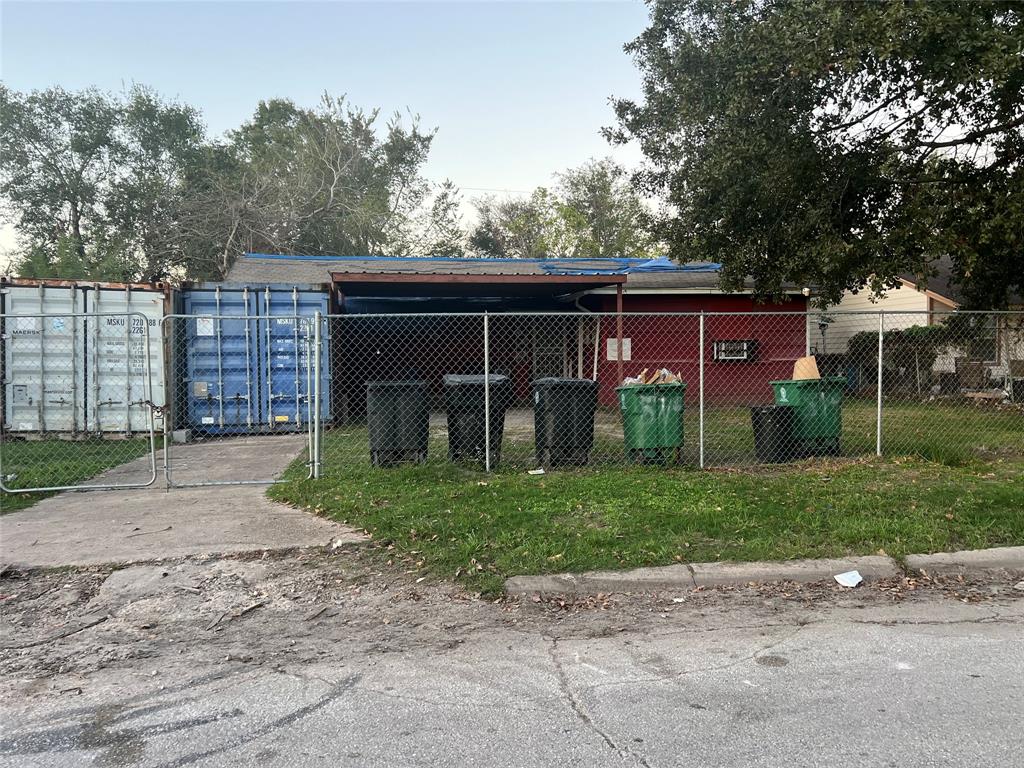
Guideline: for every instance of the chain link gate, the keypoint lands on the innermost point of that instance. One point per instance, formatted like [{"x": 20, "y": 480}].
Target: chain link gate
[
  {"x": 243, "y": 385},
  {"x": 79, "y": 410}
]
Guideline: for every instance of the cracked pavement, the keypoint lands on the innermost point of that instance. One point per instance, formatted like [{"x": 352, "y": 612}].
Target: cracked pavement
[{"x": 348, "y": 661}]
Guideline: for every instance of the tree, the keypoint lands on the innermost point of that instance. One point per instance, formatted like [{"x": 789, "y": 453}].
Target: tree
[
  {"x": 605, "y": 213},
  {"x": 517, "y": 228},
  {"x": 592, "y": 212},
  {"x": 835, "y": 144},
  {"x": 294, "y": 180},
  {"x": 127, "y": 187},
  {"x": 57, "y": 148},
  {"x": 88, "y": 178},
  {"x": 161, "y": 146},
  {"x": 438, "y": 230}
]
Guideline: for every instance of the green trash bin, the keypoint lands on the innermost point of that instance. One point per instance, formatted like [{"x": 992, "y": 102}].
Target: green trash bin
[
  {"x": 817, "y": 413},
  {"x": 652, "y": 421}
]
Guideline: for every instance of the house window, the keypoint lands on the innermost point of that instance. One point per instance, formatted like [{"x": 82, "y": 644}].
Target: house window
[{"x": 735, "y": 350}]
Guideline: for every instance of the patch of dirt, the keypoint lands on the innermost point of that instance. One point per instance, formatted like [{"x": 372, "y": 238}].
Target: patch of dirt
[{"x": 58, "y": 627}]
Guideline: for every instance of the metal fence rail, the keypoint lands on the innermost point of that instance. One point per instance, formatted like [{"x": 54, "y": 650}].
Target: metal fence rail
[{"x": 501, "y": 391}]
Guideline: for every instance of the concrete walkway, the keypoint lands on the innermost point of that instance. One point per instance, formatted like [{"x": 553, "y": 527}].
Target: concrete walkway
[{"x": 152, "y": 523}]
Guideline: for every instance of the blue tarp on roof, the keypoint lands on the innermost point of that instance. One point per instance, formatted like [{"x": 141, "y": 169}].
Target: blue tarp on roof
[{"x": 628, "y": 266}]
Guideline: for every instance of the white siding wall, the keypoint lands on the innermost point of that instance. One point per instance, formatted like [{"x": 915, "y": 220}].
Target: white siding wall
[{"x": 842, "y": 327}]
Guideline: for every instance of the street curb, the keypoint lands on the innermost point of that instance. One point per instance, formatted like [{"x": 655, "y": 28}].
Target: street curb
[
  {"x": 693, "y": 575},
  {"x": 690, "y": 576},
  {"x": 969, "y": 561}
]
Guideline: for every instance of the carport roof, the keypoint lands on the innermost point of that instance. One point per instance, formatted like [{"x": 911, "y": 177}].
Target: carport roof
[{"x": 382, "y": 275}]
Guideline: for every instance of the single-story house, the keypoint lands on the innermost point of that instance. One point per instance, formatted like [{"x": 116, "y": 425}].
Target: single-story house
[
  {"x": 407, "y": 317},
  {"x": 984, "y": 352},
  {"x": 905, "y": 306}
]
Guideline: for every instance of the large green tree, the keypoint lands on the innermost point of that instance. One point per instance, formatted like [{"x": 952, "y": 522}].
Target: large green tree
[
  {"x": 438, "y": 230},
  {"x": 605, "y": 214},
  {"x": 90, "y": 179},
  {"x": 296, "y": 180},
  {"x": 591, "y": 212},
  {"x": 836, "y": 144},
  {"x": 127, "y": 187},
  {"x": 519, "y": 228}
]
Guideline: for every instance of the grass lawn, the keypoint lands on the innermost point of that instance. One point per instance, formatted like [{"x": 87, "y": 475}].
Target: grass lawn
[
  {"x": 953, "y": 490},
  {"x": 38, "y": 463}
]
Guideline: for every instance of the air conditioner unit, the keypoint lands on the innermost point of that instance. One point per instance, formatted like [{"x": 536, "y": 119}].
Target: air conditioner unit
[{"x": 735, "y": 350}]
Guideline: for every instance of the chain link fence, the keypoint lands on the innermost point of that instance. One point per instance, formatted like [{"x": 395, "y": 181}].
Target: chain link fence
[
  {"x": 78, "y": 401},
  {"x": 532, "y": 390},
  {"x": 502, "y": 392},
  {"x": 242, "y": 385}
]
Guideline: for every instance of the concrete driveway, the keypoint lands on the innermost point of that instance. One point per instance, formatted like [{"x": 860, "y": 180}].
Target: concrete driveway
[{"x": 88, "y": 528}]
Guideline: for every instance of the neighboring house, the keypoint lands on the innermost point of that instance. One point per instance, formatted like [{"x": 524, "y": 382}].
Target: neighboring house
[
  {"x": 904, "y": 306},
  {"x": 992, "y": 343},
  {"x": 742, "y": 351}
]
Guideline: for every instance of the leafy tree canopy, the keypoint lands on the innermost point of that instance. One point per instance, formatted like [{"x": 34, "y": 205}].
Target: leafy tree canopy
[
  {"x": 836, "y": 144},
  {"x": 320, "y": 181},
  {"x": 88, "y": 178},
  {"x": 592, "y": 212},
  {"x": 129, "y": 187}
]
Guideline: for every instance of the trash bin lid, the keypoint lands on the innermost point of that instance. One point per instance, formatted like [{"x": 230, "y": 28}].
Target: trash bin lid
[
  {"x": 470, "y": 379},
  {"x": 770, "y": 408},
  {"x": 548, "y": 381},
  {"x": 651, "y": 387},
  {"x": 832, "y": 380}
]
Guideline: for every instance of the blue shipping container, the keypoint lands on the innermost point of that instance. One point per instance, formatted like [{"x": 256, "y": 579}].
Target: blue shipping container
[{"x": 253, "y": 373}]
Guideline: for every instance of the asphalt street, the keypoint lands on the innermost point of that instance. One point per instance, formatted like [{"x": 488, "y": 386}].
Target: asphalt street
[{"x": 933, "y": 683}]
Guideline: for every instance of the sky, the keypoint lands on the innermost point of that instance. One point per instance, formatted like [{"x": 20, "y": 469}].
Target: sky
[{"x": 517, "y": 91}]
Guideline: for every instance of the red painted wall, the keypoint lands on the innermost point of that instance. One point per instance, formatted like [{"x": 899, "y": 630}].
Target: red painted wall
[{"x": 673, "y": 342}]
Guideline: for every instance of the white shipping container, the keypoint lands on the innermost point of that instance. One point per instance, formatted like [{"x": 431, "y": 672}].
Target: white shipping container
[
  {"x": 81, "y": 367},
  {"x": 120, "y": 383}
]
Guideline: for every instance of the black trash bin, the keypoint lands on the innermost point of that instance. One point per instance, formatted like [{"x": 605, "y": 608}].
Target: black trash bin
[
  {"x": 464, "y": 406},
  {"x": 398, "y": 421},
  {"x": 563, "y": 420},
  {"x": 774, "y": 441}
]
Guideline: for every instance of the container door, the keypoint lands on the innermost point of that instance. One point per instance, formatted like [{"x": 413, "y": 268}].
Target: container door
[
  {"x": 287, "y": 317},
  {"x": 220, "y": 348},
  {"x": 43, "y": 359},
  {"x": 124, "y": 359}
]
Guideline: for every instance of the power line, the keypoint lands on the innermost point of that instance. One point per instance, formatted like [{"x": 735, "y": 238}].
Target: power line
[{"x": 493, "y": 189}]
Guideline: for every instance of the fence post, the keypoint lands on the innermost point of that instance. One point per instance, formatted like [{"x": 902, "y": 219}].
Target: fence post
[
  {"x": 487, "y": 393},
  {"x": 317, "y": 411},
  {"x": 700, "y": 391},
  {"x": 878, "y": 405},
  {"x": 168, "y": 331},
  {"x": 807, "y": 334},
  {"x": 1003, "y": 322}
]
